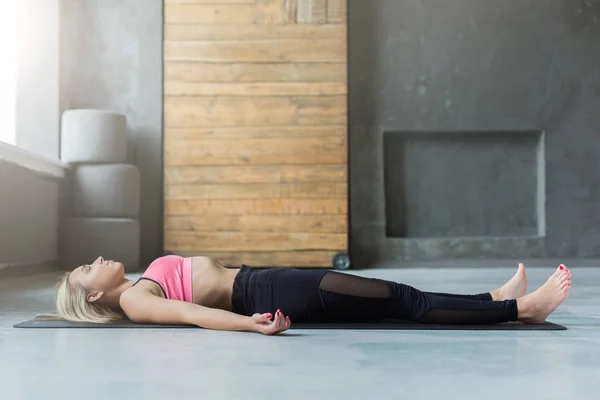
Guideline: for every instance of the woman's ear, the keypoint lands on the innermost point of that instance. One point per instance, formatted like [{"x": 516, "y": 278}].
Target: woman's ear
[{"x": 94, "y": 296}]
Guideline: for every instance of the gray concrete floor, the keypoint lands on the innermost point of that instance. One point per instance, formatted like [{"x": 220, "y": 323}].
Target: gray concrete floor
[{"x": 192, "y": 364}]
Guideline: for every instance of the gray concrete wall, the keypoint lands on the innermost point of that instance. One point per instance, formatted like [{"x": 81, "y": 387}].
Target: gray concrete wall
[
  {"x": 29, "y": 216},
  {"x": 111, "y": 58},
  {"x": 451, "y": 67}
]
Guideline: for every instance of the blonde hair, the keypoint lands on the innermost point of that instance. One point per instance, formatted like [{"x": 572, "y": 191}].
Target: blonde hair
[{"x": 72, "y": 305}]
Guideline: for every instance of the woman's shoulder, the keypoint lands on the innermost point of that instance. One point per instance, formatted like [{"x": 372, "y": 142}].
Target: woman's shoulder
[
  {"x": 137, "y": 298},
  {"x": 140, "y": 289}
]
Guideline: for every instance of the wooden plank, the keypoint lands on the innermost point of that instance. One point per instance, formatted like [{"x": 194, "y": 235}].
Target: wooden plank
[
  {"x": 256, "y": 174},
  {"x": 310, "y": 190},
  {"x": 209, "y": 13},
  {"x": 253, "y": 241},
  {"x": 319, "y": 12},
  {"x": 187, "y": 33},
  {"x": 291, "y": 8},
  {"x": 259, "y": 223},
  {"x": 275, "y": 11},
  {"x": 337, "y": 11},
  {"x": 311, "y": 12},
  {"x": 257, "y": 207},
  {"x": 177, "y": 88},
  {"x": 284, "y": 50},
  {"x": 255, "y": 132},
  {"x": 298, "y": 259},
  {"x": 304, "y": 11},
  {"x": 211, "y": 111},
  {"x": 324, "y": 109},
  {"x": 248, "y": 72},
  {"x": 263, "y": 151},
  {"x": 209, "y": 1}
]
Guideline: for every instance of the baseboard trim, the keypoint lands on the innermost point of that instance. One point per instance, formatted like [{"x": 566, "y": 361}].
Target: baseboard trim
[{"x": 17, "y": 270}]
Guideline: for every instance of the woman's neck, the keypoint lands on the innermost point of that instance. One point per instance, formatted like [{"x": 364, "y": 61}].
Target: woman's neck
[{"x": 112, "y": 299}]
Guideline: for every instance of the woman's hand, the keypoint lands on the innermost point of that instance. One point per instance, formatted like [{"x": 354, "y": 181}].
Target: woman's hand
[{"x": 264, "y": 325}]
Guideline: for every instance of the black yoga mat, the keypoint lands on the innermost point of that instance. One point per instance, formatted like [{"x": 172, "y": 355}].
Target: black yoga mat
[{"x": 51, "y": 322}]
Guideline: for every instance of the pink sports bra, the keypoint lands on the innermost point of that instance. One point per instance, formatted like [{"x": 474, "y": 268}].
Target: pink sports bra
[{"x": 174, "y": 276}]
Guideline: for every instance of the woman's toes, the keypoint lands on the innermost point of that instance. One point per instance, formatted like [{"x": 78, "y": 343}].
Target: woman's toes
[{"x": 562, "y": 277}]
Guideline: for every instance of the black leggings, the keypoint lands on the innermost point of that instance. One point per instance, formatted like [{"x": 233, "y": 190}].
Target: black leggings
[{"x": 329, "y": 296}]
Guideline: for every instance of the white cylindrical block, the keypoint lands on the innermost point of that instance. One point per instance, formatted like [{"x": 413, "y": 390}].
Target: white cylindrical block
[
  {"x": 85, "y": 239},
  {"x": 106, "y": 190},
  {"x": 93, "y": 136}
]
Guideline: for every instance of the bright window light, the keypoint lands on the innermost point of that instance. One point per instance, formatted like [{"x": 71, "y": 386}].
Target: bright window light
[{"x": 8, "y": 71}]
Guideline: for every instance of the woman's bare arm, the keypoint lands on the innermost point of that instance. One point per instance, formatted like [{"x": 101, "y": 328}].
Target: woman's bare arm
[{"x": 144, "y": 307}]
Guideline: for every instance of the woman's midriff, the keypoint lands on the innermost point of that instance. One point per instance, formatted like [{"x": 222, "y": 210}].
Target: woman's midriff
[{"x": 212, "y": 283}]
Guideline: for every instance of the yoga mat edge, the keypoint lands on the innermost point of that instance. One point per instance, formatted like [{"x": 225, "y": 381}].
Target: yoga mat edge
[{"x": 46, "y": 322}]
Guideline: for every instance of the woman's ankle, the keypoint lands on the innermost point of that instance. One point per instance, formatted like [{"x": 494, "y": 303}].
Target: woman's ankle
[{"x": 524, "y": 309}]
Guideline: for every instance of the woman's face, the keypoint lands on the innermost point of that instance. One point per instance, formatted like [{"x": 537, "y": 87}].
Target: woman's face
[{"x": 100, "y": 276}]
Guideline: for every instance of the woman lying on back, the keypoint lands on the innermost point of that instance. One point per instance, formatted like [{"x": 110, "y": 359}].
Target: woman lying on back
[{"x": 199, "y": 291}]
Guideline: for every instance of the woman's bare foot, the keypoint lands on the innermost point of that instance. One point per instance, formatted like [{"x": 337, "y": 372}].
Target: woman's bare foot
[
  {"x": 537, "y": 306},
  {"x": 513, "y": 289}
]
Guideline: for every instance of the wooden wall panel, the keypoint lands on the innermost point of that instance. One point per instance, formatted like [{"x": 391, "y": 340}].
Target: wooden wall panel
[
  {"x": 307, "y": 258},
  {"x": 209, "y": 13},
  {"x": 279, "y": 50},
  {"x": 264, "y": 206},
  {"x": 191, "y": 33},
  {"x": 337, "y": 11},
  {"x": 255, "y": 140},
  {"x": 227, "y": 111},
  {"x": 210, "y": 1},
  {"x": 199, "y": 72},
  {"x": 255, "y": 88},
  {"x": 255, "y": 151},
  {"x": 295, "y": 131},
  {"x": 275, "y": 11},
  {"x": 244, "y": 174},
  {"x": 260, "y": 223},
  {"x": 253, "y": 241}
]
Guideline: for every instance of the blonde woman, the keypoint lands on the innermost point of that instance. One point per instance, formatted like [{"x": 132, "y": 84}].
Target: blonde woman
[{"x": 199, "y": 291}]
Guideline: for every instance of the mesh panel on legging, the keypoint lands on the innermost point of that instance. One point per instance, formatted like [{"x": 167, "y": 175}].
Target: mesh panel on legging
[
  {"x": 353, "y": 285},
  {"x": 351, "y": 298}
]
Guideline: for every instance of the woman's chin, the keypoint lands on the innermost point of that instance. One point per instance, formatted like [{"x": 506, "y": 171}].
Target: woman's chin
[{"x": 117, "y": 266}]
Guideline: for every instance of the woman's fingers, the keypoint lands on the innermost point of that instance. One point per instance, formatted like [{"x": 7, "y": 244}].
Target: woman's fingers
[
  {"x": 262, "y": 318},
  {"x": 266, "y": 318},
  {"x": 280, "y": 323},
  {"x": 278, "y": 319}
]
